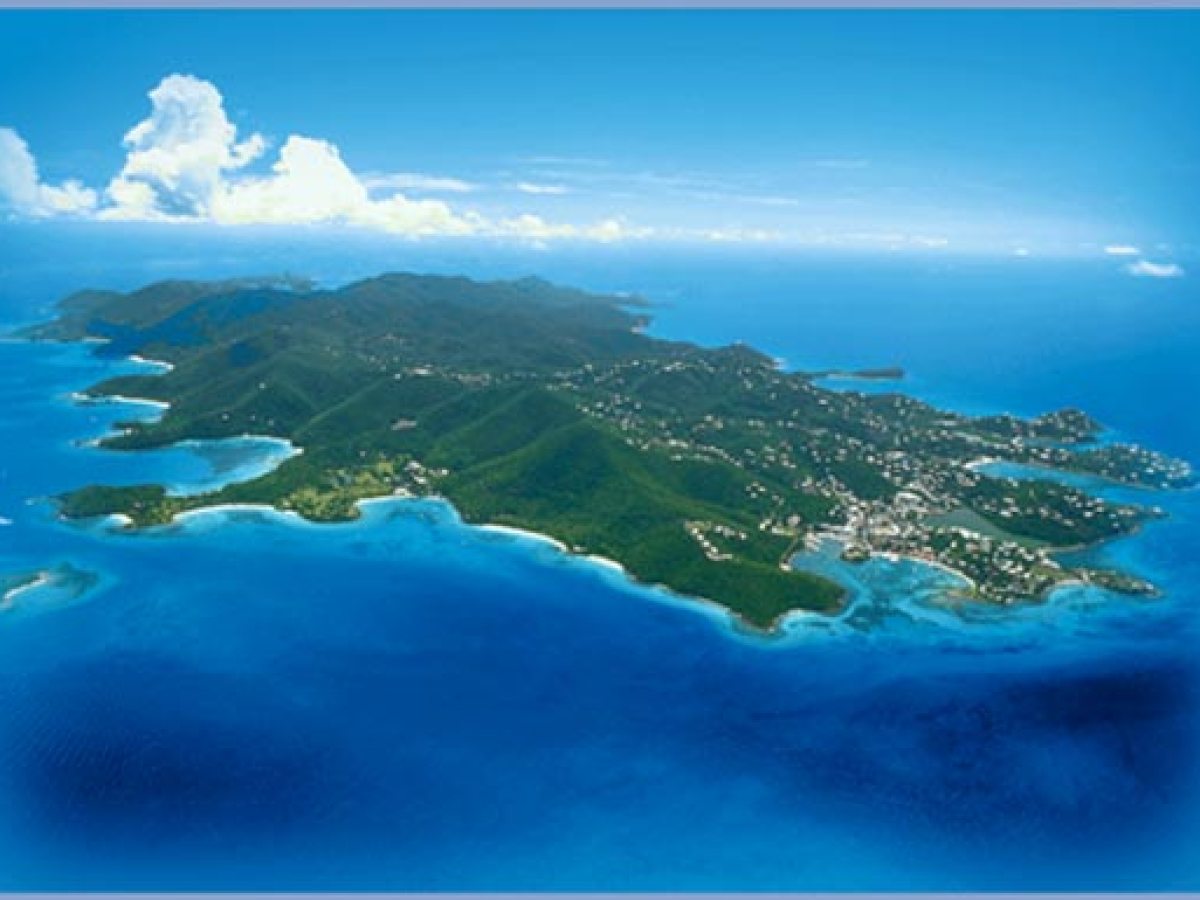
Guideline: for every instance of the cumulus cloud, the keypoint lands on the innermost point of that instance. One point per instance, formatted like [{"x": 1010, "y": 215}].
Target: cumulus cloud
[
  {"x": 23, "y": 190},
  {"x": 1122, "y": 250},
  {"x": 179, "y": 156},
  {"x": 311, "y": 184},
  {"x": 1144, "y": 268},
  {"x": 185, "y": 162}
]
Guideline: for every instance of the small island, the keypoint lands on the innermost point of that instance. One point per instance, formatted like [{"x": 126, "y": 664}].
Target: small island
[
  {"x": 703, "y": 470},
  {"x": 883, "y": 373}
]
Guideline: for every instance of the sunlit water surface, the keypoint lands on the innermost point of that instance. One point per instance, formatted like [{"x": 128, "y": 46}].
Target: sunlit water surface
[{"x": 247, "y": 700}]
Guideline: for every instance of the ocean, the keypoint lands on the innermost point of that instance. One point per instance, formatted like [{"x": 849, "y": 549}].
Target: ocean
[{"x": 245, "y": 700}]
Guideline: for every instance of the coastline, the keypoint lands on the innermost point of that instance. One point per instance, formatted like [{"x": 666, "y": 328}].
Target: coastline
[
  {"x": 971, "y": 585},
  {"x": 201, "y": 511},
  {"x": 536, "y": 536},
  {"x": 163, "y": 366},
  {"x": 124, "y": 522},
  {"x": 968, "y": 582},
  {"x": 1101, "y": 480},
  {"x": 604, "y": 562},
  {"x": 604, "y": 566},
  {"x": 85, "y": 399},
  {"x": 38, "y": 580}
]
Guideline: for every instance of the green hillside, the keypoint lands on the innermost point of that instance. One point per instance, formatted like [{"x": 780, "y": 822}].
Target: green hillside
[{"x": 548, "y": 408}]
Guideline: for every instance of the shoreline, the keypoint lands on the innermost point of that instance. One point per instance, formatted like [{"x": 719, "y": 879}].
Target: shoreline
[
  {"x": 1102, "y": 480},
  {"x": 85, "y": 399},
  {"x": 601, "y": 565},
  {"x": 896, "y": 557},
  {"x": 727, "y": 613},
  {"x": 605, "y": 563},
  {"x": 163, "y": 366},
  {"x": 515, "y": 532},
  {"x": 41, "y": 579},
  {"x": 201, "y": 511},
  {"x": 972, "y": 585}
]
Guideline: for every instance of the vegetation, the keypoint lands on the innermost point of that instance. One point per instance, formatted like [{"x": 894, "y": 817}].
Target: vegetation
[{"x": 547, "y": 408}]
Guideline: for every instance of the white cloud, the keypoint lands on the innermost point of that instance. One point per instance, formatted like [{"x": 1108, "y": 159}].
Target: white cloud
[
  {"x": 23, "y": 190},
  {"x": 723, "y": 196},
  {"x": 1144, "y": 268},
  {"x": 737, "y": 235},
  {"x": 185, "y": 163},
  {"x": 932, "y": 241},
  {"x": 1122, "y": 250},
  {"x": 310, "y": 184},
  {"x": 179, "y": 156},
  {"x": 534, "y": 228},
  {"x": 549, "y": 160},
  {"x": 416, "y": 181},
  {"x": 529, "y": 187}
]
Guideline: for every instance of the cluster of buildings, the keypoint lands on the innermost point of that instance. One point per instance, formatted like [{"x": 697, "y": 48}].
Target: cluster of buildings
[{"x": 888, "y": 467}]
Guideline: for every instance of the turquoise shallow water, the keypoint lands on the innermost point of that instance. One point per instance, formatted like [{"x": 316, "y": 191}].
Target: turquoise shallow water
[{"x": 244, "y": 700}]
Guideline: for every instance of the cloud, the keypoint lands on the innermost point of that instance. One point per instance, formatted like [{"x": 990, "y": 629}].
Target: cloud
[
  {"x": 310, "y": 184},
  {"x": 23, "y": 190},
  {"x": 550, "y": 160},
  {"x": 416, "y": 181},
  {"x": 736, "y": 235},
  {"x": 185, "y": 162},
  {"x": 1144, "y": 268},
  {"x": 179, "y": 156},
  {"x": 528, "y": 187},
  {"x": 722, "y": 196},
  {"x": 535, "y": 228},
  {"x": 1122, "y": 250},
  {"x": 925, "y": 240}
]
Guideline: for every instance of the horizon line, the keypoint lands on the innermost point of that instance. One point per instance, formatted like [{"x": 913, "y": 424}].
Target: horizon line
[{"x": 596, "y": 5}]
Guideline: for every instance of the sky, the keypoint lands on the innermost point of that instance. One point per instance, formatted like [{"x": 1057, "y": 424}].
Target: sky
[{"x": 1020, "y": 133}]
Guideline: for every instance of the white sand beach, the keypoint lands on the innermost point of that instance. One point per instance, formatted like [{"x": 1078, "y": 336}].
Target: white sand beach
[
  {"x": 160, "y": 364},
  {"x": 140, "y": 401},
  {"x": 529, "y": 535},
  {"x": 235, "y": 507},
  {"x": 607, "y": 563}
]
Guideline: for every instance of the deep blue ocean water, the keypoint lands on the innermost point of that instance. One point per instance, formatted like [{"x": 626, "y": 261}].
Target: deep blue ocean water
[{"x": 244, "y": 700}]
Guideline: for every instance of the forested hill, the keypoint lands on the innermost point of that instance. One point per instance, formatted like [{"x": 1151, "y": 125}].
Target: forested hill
[{"x": 548, "y": 408}]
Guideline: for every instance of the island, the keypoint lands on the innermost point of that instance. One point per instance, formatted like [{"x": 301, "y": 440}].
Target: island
[
  {"x": 703, "y": 470},
  {"x": 882, "y": 373}
]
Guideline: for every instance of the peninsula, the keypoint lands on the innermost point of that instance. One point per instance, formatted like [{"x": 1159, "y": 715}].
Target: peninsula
[{"x": 550, "y": 409}]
